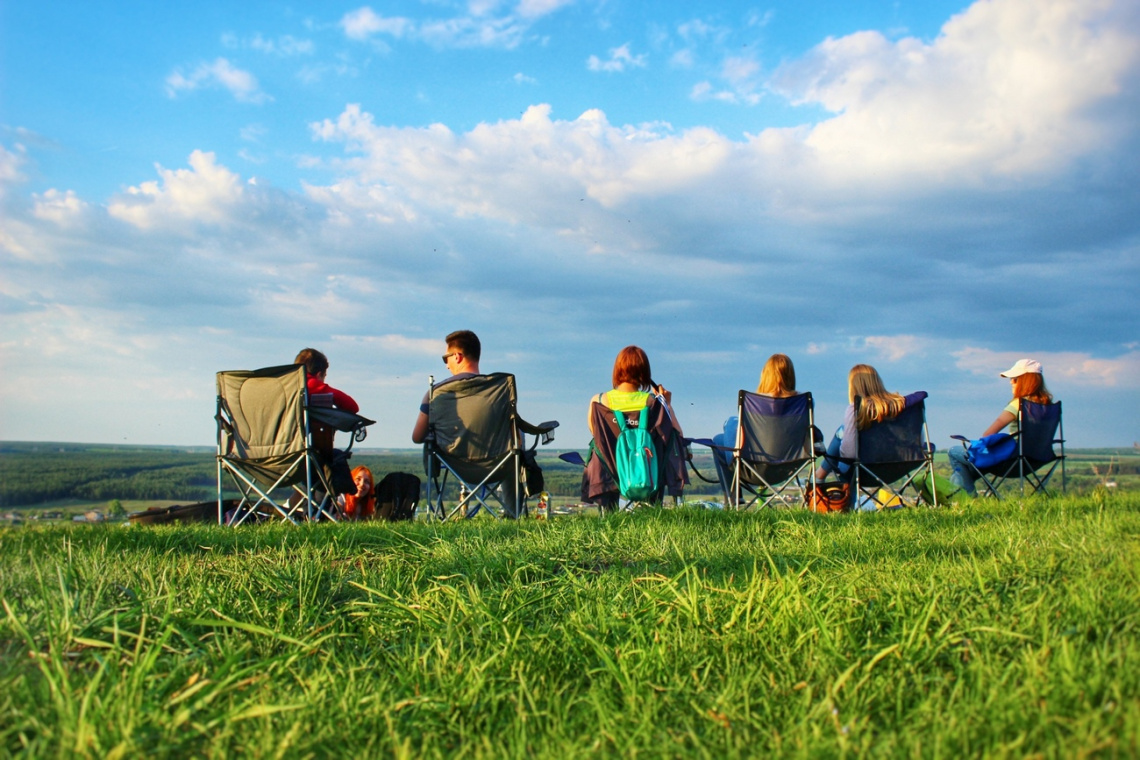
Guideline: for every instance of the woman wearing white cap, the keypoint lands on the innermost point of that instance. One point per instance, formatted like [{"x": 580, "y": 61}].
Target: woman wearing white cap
[{"x": 1028, "y": 382}]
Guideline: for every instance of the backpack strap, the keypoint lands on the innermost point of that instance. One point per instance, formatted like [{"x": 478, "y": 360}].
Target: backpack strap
[
  {"x": 619, "y": 416},
  {"x": 643, "y": 418}
]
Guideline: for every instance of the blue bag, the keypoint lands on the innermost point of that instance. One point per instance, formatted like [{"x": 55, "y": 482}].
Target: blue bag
[{"x": 991, "y": 449}]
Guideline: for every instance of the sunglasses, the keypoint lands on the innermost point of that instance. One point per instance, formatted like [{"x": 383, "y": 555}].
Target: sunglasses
[{"x": 445, "y": 357}]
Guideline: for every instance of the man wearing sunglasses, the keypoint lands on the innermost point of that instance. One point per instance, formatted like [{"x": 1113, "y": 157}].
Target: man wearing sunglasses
[{"x": 462, "y": 361}]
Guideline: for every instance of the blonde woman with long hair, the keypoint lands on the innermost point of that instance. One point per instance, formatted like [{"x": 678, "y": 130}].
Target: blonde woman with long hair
[
  {"x": 876, "y": 404},
  {"x": 778, "y": 380}
]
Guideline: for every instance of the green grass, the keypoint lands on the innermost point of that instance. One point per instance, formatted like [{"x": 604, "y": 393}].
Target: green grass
[{"x": 989, "y": 629}]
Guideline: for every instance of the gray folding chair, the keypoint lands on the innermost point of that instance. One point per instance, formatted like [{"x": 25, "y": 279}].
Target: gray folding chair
[
  {"x": 266, "y": 448},
  {"x": 477, "y": 439}
]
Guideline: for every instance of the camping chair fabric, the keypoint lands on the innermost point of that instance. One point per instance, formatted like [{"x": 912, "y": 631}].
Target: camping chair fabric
[
  {"x": 476, "y": 436},
  {"x": 776, "y": 454},
  {"x": 599, "y": 479},
  {"x": 893, "y": 450},
  {"x": 265, "y": 443},
  {"x": 1040, "y": 430}
]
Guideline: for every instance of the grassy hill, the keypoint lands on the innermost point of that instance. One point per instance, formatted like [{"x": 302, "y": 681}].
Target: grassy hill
[
  {"x": 988, "y": 629},
  {"x": 34, "y": 474}
]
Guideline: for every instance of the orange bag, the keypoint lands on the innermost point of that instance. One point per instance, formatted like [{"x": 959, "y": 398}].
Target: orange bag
[{"x": 826, "y": 498}]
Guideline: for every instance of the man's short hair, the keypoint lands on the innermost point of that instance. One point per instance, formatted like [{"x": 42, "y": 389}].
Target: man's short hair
[
  {"x": 315, "y": 362},
  {"x": 466, "y": 343}
]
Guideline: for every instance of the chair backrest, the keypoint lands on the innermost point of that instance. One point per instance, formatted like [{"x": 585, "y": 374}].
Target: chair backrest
[
  {"x": 897, "y": 440},
  {"x": 472, "y": 421},
  {"x": 775, "y": 429},
  {"x": 601, "y": 470},
  {"x": 1038, "y": 425},
  {"x": 261, "y": 412}
]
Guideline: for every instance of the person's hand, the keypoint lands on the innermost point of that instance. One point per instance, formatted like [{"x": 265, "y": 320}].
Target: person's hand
[{"x": 664, "y": 393}]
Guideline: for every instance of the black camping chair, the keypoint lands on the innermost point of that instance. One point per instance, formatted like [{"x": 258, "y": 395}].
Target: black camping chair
[
  {"x": 773, "y": 458},
  {"x": 266, "y": 445},
  {"x": 1040, "y": 430},
  {"x": 476, "y": 437}
]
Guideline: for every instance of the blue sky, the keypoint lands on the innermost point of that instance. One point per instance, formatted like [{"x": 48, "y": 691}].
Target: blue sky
[{"x": 935, "y": 188}]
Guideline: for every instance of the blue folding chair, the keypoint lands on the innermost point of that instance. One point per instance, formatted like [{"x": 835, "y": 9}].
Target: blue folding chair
[{"x": 1040, "y": 429}]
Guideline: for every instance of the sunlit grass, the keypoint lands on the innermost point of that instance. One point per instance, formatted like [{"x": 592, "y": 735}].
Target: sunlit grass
[{"x": 987, "y": 629}]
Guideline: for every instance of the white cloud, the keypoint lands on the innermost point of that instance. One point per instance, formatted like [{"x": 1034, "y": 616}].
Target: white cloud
[
  {"x": 220, "y": 73},
  {"x": 525, "y": 168},
  {"x": 10, "y": 168},
  {"x": 205, "y": 193},
  {"x": 620, "y": 59},
  {"x": 894, "y": 348},
  {"x": 682, "y": 59},
  {"x": 539, "y": 8},
  {"x": 364, "y": 22},
  {"x": 284, "y": 46},
  {"x": 1007, "y": 86},
  {"x": 1073, "y": 367},
  {"x": 521, "y": 78},
  {"x": 64, "y": 209}
]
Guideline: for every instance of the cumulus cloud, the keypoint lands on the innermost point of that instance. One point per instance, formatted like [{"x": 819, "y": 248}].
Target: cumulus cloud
[
  {"x": 64, "y": 209},
  {"x": 364, "y": 22},
  {"x": 220, "y": 73},
  {"x": 620, "y": 59},
  {"x": 205, "y": 193},
  {"x": 1007, "y": 86},
  {"x": 913, "y": 233}
]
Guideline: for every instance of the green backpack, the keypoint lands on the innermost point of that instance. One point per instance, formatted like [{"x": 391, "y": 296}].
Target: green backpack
[{"x": 633, "y": 457}]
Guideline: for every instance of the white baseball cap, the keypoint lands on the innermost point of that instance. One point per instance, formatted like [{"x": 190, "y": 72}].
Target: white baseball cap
[{"x": 1023, "y": 367}]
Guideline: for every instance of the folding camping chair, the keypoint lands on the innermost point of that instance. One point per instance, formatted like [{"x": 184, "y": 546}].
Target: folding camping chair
[
  {"x": 599, "y": 479},
  {"x": 475, "y": 435},
  {"x": 893, "y": 450},
  {"x": 773, "y": 456},
  {"x": 266, "y": 430},
  {"x": 1040, "y": 428}
]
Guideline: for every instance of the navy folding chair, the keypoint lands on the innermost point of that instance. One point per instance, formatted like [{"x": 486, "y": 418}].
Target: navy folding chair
[
  {"x": 890, "y": 451},
  {"x": 1040, "y": 431},
  {"x": 772, "y": 459}
]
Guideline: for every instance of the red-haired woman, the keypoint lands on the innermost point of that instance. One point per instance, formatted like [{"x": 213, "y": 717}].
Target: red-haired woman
[
  {"x": 1027, "y": 382},
  {"x": 362, "y": 504},
  {"x": 633, "y": 385}
]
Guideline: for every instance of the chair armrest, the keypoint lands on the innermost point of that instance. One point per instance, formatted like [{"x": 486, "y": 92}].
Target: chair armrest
[
  {"x": 339, "y": 419},
  {"x": 573, "y": 457},
  {"x": 709, "y": 443},
  {"x": 544, "y": 429}
]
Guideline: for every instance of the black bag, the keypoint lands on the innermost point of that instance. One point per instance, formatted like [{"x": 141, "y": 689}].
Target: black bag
[
  {"x": 532, "y": 474},
  {"x": 396, "y": 497}
]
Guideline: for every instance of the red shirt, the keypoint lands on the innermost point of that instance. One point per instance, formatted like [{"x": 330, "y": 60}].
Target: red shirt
[{"x": 341, "y": 400}]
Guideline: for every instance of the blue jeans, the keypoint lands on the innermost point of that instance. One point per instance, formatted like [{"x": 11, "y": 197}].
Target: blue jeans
[
  {"x": 831, "y": 463},
  {"x": 964, "y": 474}
]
